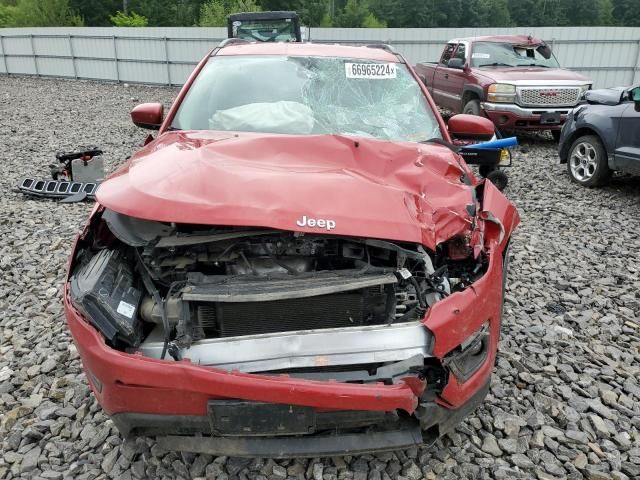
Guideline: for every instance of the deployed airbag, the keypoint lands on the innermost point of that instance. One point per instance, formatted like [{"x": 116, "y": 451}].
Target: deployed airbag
[{"x": 277, "y": 117}]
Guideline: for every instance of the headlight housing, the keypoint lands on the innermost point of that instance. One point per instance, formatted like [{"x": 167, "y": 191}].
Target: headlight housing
[
  {"x": 584, "y": 89},
  {"x": 501, "y": 93}
]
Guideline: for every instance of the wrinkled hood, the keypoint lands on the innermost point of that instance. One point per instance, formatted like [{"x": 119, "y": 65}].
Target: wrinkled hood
[
  {"x": 605, "y": 96},
  {"x": 345, "y": 186},
  {"x": 504, "y": 74}
]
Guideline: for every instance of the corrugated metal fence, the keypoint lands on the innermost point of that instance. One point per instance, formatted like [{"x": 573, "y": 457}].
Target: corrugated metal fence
[{"x": 610, "y": 56}]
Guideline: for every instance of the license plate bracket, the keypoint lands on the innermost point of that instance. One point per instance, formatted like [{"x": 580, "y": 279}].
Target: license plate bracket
[
  {"x": 550, "y": 118},
  {"x": 243, "y": 418}
]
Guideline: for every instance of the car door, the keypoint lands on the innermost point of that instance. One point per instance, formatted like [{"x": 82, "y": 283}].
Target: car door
[
  {"x": 449, "y": 82},
  {"x": 627, "y": 152},
  {"x": 440, "y": 79}
]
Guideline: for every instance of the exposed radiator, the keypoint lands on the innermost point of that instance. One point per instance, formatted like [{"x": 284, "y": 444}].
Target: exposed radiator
[{"x": 337, "y": 310}]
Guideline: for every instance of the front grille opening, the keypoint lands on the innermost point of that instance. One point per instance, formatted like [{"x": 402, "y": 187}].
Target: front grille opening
[
  {"x": 349, "y": 309},
  {"x": 549, "y": 96}
]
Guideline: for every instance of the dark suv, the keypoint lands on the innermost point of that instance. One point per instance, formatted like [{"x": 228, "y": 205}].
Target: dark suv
[{"x": 601, "y": 136}]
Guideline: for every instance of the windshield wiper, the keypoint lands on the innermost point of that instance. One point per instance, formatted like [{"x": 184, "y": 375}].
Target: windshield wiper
[
  {"x": 496, "y": 64},
  {"x": 537, "y": 65}
]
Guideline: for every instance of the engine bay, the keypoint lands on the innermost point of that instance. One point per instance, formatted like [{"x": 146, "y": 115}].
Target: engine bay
[{"x": 146, "y": 285}]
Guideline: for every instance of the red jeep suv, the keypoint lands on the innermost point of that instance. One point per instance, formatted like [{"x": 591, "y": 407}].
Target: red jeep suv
[{"x": 299, "y": 264}]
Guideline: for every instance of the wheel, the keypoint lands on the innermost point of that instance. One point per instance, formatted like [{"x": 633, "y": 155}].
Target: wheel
[
  {"x": 472, "y": 107},
  {"x": 587, "y": 163},
  {"x": 485, "y": 170},
  {"x": 499, "y": 179},
  {"x": 556, "y": 135}
]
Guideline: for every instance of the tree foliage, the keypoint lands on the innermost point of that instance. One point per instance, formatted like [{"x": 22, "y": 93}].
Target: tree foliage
[
  {"x": 131, "y": 20},
  {"x": 344, "y": 13},
  {"x": 214, "y": 13},
  {"x": 357, "y": 13},
  {"x": 6, "y": 15},
  {"x": 41, "y": 13}
]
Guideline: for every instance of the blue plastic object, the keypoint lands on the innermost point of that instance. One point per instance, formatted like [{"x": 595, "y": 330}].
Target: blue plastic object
[{"x": 495, "y": 144}]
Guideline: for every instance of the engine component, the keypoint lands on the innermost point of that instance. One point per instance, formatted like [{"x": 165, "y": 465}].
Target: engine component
[
  {"x": 339, "y": 310},
  {"x": 104, "y": 290},
  {"x": 150, "y": 310},
  {"x": 246, "y": 288}
]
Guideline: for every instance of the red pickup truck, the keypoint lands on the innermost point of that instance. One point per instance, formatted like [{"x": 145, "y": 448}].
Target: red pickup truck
[{"x": 513, "y": 79}]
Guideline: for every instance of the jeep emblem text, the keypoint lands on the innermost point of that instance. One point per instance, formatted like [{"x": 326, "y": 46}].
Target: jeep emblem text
[{"x": 316, "y": 223}]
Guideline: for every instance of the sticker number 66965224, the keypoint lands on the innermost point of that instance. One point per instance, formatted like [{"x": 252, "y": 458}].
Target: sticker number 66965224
[{"x": 370, "y": 70}]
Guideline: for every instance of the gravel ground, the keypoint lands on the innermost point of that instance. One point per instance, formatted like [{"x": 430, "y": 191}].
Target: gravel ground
[{"x": 565, "y": 396}]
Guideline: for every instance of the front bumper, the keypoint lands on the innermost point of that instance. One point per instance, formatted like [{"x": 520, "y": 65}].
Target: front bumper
[
  {"x": 177, "y": 433},
  {"x": 508, "y": 115},
  {"x": 150, "y": 396}
]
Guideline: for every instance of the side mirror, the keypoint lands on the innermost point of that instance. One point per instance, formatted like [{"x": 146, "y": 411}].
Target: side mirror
[
  {"x": 634, "y": 96},
  {"x": 456, "y": 63},
  {"x": 471, "y": 127},
  {"x": 148, "y": 115}
]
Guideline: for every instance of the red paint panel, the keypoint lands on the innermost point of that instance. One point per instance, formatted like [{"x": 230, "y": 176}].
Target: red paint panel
[
  {"x": 147, "y": 114},
  {"x": 369, "y": 188},
  {"x": 169, "y": 387},
  {"x": 471, "y": 126}
]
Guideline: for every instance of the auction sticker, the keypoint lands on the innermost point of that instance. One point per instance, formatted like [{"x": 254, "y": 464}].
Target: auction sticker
[
  {"x": 371, "y": 70},
  {"x": 126, "y": 309}
]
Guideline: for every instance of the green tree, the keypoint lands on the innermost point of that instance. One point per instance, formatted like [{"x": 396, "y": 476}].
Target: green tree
[
  {"x": 494, "y": 13},
  {"x": 6, "y": 15},
  {"x": 214, "y": 12},
  {"x": 605, "y": 8},
  {"x": 45, "y": 13},
  {"x": 96, "y": 13},
  {"x": 312, "y": 12},
  {"x": 281, "y": 4},
  {"x": 626, "y": 13},
  {"x": 168, "y": 13},
  {"x": 538, "y": 13},
  {"x": 131, "y": 20},
  {"x": 356, "y": 13}
]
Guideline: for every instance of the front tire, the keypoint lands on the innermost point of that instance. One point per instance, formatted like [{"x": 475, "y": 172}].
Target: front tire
[
  {"x": 472, "y": 107},
  {"x": 587, "y": 163},
  {"x": 499, "y": 179}
]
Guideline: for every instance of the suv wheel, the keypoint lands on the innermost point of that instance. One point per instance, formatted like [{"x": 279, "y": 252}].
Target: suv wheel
[
  {"x": 587, "y": 164},
  {"x": 472, "y": 107}
]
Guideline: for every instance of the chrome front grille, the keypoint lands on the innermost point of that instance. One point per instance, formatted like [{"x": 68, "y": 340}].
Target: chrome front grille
[{"x": 548, "y": 96}]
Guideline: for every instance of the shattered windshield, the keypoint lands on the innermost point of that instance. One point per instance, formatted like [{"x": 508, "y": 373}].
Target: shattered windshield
[
  {"x": 491, "y": 54},
  {"x": 308, "y": 95}
]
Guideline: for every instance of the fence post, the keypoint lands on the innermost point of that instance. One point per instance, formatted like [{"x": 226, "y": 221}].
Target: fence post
[
  {"x": 4, "y": 55},
  {"x": 166, "y": 58},
  {"x": 73, "y": 56},
  {"x": 115, "y": 58},
  {"x": 33, "y": 52}
]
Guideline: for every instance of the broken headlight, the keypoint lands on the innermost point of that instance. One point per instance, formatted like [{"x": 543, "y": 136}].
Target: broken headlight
[
  {"x": 104, "y": 289},
  {"x": 469, "y": 356}
]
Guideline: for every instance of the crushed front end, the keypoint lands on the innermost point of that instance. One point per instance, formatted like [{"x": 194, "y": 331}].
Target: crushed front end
[{"x": 279, "y": 343}]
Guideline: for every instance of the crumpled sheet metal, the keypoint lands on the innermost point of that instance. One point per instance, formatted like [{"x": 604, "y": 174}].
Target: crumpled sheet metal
[{"x": 369, "y": 188}]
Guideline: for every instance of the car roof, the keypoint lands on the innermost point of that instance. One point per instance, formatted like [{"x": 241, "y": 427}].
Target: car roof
[
  {"x": 515, "y": 39},
  {"x": 310, "y": 50}
]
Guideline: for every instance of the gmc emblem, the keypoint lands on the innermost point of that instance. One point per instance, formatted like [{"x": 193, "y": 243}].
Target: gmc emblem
[{"x": 549, "y": 93}]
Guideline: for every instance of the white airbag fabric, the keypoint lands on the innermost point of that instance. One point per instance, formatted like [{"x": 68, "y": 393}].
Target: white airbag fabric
[{"x": 277, "y": 117}]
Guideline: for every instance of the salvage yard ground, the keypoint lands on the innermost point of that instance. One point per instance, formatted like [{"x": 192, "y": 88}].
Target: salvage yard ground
[{"x": 565, "y": 396}]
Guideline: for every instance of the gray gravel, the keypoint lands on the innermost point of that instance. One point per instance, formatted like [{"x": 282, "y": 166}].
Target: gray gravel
[{"x": 565, "y": 396}]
